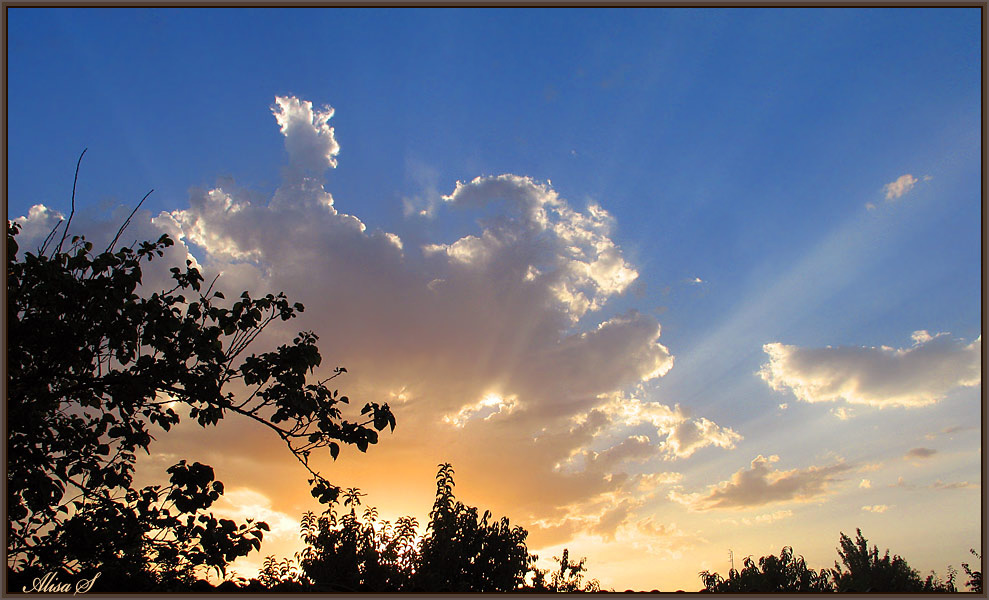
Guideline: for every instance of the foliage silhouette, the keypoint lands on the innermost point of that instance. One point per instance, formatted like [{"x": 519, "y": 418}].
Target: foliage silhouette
[
  {"x": 785, "y": 573},
  {"x": 346, "y": 554},
  {"x": 867, "y": 572},
  {"x": 974, "y": 582},
  {"x": 567, "y": 579},
  {"x": 94, "y": 368},
  {"x": 461, "y": 551},
  {"x": 864, "y": 571},
  {"x": 465, "y": 552}
]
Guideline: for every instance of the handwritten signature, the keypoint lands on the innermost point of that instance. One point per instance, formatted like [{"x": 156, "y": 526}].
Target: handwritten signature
[{"x": 49, "y": 584}]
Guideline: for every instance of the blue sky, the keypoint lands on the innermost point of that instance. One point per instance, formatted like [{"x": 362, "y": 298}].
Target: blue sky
[{"x": 743, "y": 156}]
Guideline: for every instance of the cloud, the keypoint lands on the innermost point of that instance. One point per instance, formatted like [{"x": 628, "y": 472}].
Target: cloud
[
  {"x": 760, "y": 485},
  {"x": 309, "y": 139},
  {"x": 763, "y": 518},
  {"x": 916, "y": 376},
  {"x": 920, "y": 453},
  {"x": 937, "y": 485},
  {"x": 876, "y": 508},
  {"x": 666, "y": 540},
  {"x": 870, "y": 467},
  {"x": 681, "y": 434},
  {"x": 843, "y": 413},
  {"x": 493, "y": 338},
  {"x": 613, "y": 518},
  {"x": 902, "y": 185},
  {"x": 955, "y": 485},
  {"x": 243, "y": 503},
  {"x": 865, "y": 484}
]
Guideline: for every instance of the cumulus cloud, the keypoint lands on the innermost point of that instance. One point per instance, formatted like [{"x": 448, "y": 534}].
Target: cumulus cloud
[
  {"x": 489, "y": 345},
  {"x": 309, "y": 139},
  {"x": 902, "y": 185},
  {"x": 586, "y": 266},
  {"x": 760, "y": 485},
  {"x": 917, "y": 375},
  {"x": 681, "y": 434}
]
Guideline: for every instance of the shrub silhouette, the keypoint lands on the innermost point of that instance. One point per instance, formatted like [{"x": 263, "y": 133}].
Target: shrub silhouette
[
  {"x": 465, "y": 552},
  {"x": 785, "y": 573},
  {"x": 867, "y": 572},
  {"x": 462, "y": 550},
  {"x": 94, "y": 368},
  {"x": 566, "y": 579},
  {"x": 345, "y": 554},
  {"x": 863, "y": 571}
]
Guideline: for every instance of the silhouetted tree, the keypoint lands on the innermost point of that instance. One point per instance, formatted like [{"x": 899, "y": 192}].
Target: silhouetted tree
[
  {"x": 867, "y": 572},
  {"x": 94, "y": 367},
  {"x": 785, "y": 573},
  {"x": 346, "y": 554},
  {"x": 568, "y": 578},
  {"x": 461, "y": 551},
  {"x": 465, "y": 552},
  {"x": 282, "y": 576}
]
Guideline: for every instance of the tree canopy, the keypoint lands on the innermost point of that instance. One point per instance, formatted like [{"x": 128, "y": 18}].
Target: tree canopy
[
  {"x": 97, "y": 366},
  {"x": 462, "y": 550},
  {"x": 861, "y": 570}
]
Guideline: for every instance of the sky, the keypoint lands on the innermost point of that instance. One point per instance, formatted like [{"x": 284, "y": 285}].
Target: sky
[{"x": 660, "y": 284}]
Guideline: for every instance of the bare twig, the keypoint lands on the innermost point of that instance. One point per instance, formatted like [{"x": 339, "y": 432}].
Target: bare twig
[
  {"x": 72, "y": 212},
  {"x": 51, "y": 236},
  {"x": 127, "y": 222}
]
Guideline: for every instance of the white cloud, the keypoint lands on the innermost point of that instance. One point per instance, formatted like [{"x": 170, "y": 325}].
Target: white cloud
[
  {"x": 586, "y": 267},
  {"x": 902, "y": 185},
  {"x": 681, "y": 434},
  {"x": 760, "y": 485},
  {"x": 876, "y": 508},
  {"x": 915, "y": 376},
  {"x": 309, "y": 139},
  {"x": 487, "y": 407},
  {"x": 865, "y": 484}
]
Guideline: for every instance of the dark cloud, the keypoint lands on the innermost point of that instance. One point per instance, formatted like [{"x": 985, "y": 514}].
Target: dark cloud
[{"x": 920, "y": 453}]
